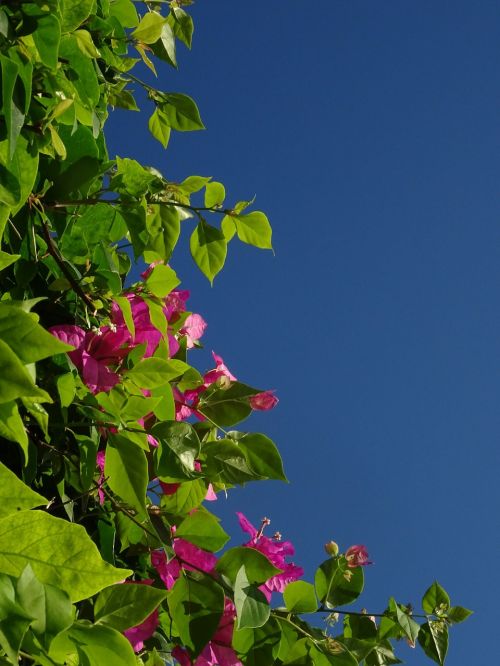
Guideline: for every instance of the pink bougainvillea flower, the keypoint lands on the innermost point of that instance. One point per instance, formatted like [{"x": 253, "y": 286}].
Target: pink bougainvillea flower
[
  {"x": 187, "y": 556},
  {"x": 220, "y": 370},
  {"x": 357, "y": 556},
  {"x": 95, "y": 352},
  {"x": 276, "y": 552},
  {"x": 218, "y": 652},
  {"x": 175, "y": 303},
  {"x": 263, "y": 401},
  {"x": 137, "y": 635},
  {"x": 193, "y": 329}
]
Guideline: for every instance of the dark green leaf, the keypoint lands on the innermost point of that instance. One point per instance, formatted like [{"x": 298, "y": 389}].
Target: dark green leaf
[
  {"x": 336, "y": 584},
  {"x": 196, "y": 603},
  {"x": 458, "y": 614},
  {"x": 126, "y": 605},
  {"x": 252, "y": 607},
  {"x": 181, "y": 112},
  {"x": 435, "y": 599},
  {"x": 433, "y": 638}
]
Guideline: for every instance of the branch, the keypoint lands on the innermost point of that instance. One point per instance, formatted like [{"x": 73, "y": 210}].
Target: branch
[{"x": 51, "y": 246}]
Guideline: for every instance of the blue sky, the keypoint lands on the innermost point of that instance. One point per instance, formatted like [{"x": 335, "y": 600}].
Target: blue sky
[{"x": 369, "y": 132}]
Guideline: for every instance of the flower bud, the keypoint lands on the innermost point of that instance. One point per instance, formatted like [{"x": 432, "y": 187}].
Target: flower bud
[{"x": 332, "y": 548}]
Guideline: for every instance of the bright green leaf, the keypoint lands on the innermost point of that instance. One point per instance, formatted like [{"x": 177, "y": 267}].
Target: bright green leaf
[
  {"x": 300, "y": 597},
  {"x": 208, "y": 248},
  {"x": 435, "y": 599},
  {"x": 203, "y": 529},
  {"x": 127, "y": 470},
  {"x": 60, "y": 553},
  {"x": 15, "y": 495}
]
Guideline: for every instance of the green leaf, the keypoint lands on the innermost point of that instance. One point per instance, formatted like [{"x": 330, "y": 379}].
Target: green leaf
[
  {"x": 258, "y": 568},
  {"x": 203, "y": 529},
  {"x": 50, "y": 606},
  {"x": 300, "y": 597},
  {"x": 82, "y": 72},
  {"x": 47, "y": 38},
  {"x": 262, "y": 456},
  {"x": 95, "y": 644},
  {"x": 152, "y": 372},
  {"x": 162, "y": 280},
  {"x": 7, "y": 259},
  {"x": 181, "y": 112},
  {"x": 131, "y": 178},
  {"x": 164, "y": 227},
  {"x": 30, "y": 341},
  {"x": 127, "y": 470},
  {"x": 15, "y": 380},
  {"x": 196, "y": 604},
  {"x": 12, "y": 426},
  {"x": 208, "y": 249},
  {"x": 433, "y": 638},
  {"x": 408, "y": 625},
  {"x": 125, "y": 12},
  {"x": 215, "y": 193},
  {"x": 74, "y": 13},
  {"x": 336, "y": 584},
  {"x": 225, "y": 462},
  {"x": 164, "y": 48},
  {"x": 127, "y": 605},
  {"x": 17, "y": 175},
  {"x": 188, "y": 496},
  {"x": 12, "y": 111},
  {"x": 182, "y": 25},
  {"x": 252, "y": 608},
  {"x": 435, "y": 599},
  {"x": 254, "y": 229},
  {"x": 15, "y": 495},
  {"x": 14, "y": 620},
  {"x": 159, "y": 127},
  {"x": 87, "y": 46},
  {"x": 178, "y": 448},
  {"x": 150, "y": 28},
  {"x": 60, "y": 553},
  {"x": 227, "y": 407},
  {"x": 126, "y": 310},
  {"x": 193, "y": 184},
  {"x": 458, "y": 614}
]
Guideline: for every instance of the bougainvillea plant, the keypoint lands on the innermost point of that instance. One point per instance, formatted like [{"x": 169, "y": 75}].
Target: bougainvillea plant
[{"x": 113, "y": 446}]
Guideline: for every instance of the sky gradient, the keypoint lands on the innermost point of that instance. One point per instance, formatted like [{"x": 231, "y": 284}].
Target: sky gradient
[{"x": 369, "y": 133}]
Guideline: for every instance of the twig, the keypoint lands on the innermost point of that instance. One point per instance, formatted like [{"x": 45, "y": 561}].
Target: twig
[{"x": 60, "y": 262}]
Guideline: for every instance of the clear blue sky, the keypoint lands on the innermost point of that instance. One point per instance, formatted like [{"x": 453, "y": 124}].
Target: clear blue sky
[{"x": 369, "y": 132}]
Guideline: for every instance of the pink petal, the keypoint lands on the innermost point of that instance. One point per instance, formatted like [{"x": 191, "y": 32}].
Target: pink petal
[
  {"x": 193, "y": 328},
  {"x": 246, "y": 525}
]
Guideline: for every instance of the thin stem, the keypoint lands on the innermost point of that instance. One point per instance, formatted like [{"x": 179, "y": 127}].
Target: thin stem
[
  {"x": 64, "y": 269},
  {"x": 358, "y": 613},
  {"x": 122, "y": 509}
]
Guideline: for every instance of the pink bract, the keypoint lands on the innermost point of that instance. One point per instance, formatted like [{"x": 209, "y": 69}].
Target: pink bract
[
  {"x": 357, "y": 556},
  {"x": 276, "y": 552},
  {"x": 193, "y": 329},
  {"x": 95, "y": 352},
  {"x": 187, "y": 556},
  {"x": 263, "y": 401}
]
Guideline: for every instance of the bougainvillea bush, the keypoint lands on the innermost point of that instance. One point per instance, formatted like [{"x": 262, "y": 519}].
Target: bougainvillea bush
[{"x": 114, "y": 448}]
